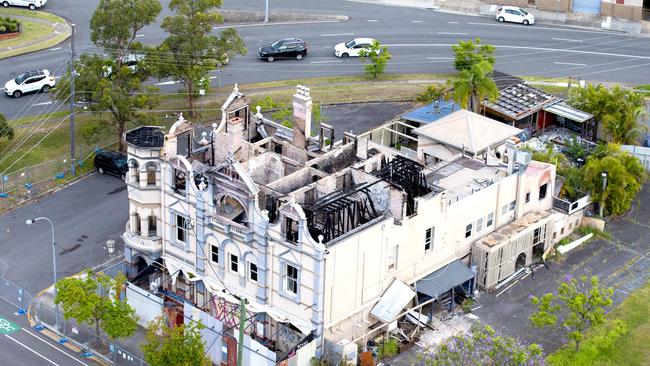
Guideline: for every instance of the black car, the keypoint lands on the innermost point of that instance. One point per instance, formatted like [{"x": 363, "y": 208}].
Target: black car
[
  {"x": 111, "y": 162},
  {"x": 284, "y": 48}
]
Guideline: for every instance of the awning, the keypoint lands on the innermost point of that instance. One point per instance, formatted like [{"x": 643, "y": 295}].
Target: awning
[
  {"x": 568, "y": 112},
  {"x": 444, "y": 279},
  {"x": 392, "y": 301},
  {"x": 175, "y": 267}
]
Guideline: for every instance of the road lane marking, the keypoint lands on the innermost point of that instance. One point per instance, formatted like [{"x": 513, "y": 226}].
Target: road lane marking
[
  {"x": 561, "y": 29},
  {"x": 569, "y": 63},
  {"x": 416, "y": 21},
  {"x": 139, "y": 35},
  {"x": 567, "y": 39},
  {"x": 325, "y": 62},
  {"x": 373, "y": 20},
  {"x": 53, "y": 346},
  {"x": 623, "y": 55},
  {"x": 36, "y": 353},
  {"x": 172, "y": 82},
  {"x": 440, "y": 58},
  {"x": 452, "y": 22},
  {"x": 452, "y": 33},
  {"x": 336, "y": 34},
  {"x": 56, "y": 48},
  {"x": 40, "y": 104},
  {"x": 279, "y": 23}
]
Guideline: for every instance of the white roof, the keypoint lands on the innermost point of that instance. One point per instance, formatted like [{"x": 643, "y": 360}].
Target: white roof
[
  {"x": 393, "y": 301},
  {"x": 465, "y": 129}
]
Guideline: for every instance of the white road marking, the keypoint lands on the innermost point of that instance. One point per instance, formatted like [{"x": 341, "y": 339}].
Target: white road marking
[
  {"x": 416, "y": 21},
  {"x": 567, "y": 39},
  {"x": 36, "y": 353},
  {"x": 452, "y": 22},
  {"x": 336, "y": 34},
  {"x": 440, "y": 58},
  {"x": 452, "y": 33},
  {"x": 569, "y": 63},
  {"x": 279, "y": 23},
  {"x": 372, "y": 20},
  {"x": 139, "y": 35},
  {"x": 623, "y": 55},
  {"x": 44, "y": 103},
  {"x": 325, "y": 62},
  {"x": 548, "y": 28},
  {"x": 172, "y": 82},
  {"x": 53, "y": 346},
  {"x": 55, "y": 48}
]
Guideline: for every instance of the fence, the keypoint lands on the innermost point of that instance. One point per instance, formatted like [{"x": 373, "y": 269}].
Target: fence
[
  {"x": 15, "y": 295},
  {"x": 24, "y": 184}
]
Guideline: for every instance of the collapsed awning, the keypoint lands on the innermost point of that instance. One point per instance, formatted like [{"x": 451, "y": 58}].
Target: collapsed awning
[
  {"x": 568, "y": 112},
  {"x": 393, "y": 301},
  {"x": 444, "y": 279}
]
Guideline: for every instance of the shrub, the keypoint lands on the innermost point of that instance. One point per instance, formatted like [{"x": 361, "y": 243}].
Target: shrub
[
  {"x": 13, "y": 27},
  {"x": 3, "y": 29},
  {"x": 387, "y": 349}
]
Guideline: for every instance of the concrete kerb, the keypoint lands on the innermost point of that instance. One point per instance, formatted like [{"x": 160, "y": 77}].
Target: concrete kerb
[
  {"x": 68, "y": 33},
  {"x": 236, "y": 17}
]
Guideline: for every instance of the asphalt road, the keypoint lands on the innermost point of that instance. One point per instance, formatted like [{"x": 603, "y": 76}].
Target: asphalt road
[{"x": 419, "y": 41}]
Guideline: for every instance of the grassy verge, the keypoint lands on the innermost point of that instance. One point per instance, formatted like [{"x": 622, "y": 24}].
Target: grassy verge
[
  {"x": 32, "y": 32},
  {"x": 620, "y": 341}
]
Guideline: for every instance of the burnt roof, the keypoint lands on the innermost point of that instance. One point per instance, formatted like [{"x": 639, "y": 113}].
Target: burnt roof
[
  {"x": 503, "y": 80},
  {"x": 146, "y": 137}
]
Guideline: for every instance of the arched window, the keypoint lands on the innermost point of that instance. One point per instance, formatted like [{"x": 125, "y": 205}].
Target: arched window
[
  {"x": 134, "y": 171},
  {"x": 135, "y": 228},
  {"x": 230, "y": 208},
  {"x": 151, "y": 175}
]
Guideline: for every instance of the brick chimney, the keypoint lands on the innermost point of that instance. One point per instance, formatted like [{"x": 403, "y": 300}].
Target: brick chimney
[{"x": 302, "y": 109}]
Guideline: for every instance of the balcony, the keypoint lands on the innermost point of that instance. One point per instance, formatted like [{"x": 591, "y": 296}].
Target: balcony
[
  {"x": 149, "y": 244},
  {"x": 236, "y": 231},
  {"x": 569, "y": 207}
]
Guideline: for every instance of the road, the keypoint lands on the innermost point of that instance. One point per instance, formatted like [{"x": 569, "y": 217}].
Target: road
[{"x": 419, "y": 41}]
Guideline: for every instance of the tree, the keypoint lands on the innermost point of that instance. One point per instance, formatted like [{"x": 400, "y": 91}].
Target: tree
[
  {"x": 473, "y": 85},
  {"x": 5, "y": 130},
  {"x": 434, "y": 92},
  {"x": 378, "y": 56},
  {"x": 468, "y": 54},
  {"x": 107, "y": 83},
  {"x": 624, "y": 177},
  {"x": 618, "y": 110},
  {"x": 482, "y": 346},
  {"x": 178, "y": 346},
  {"x": 191, "y": 52},
  {"x": 95, "y": 300},
  {"x": 577, "y": 305}
]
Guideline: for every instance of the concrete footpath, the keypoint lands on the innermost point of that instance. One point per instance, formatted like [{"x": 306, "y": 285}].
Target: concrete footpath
[{"x": 480, "y": 8}]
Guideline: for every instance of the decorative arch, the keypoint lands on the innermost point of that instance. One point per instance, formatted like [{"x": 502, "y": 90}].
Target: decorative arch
[
  {"x": 151, "y": 169},
  {"x": 231, "y": 207}
]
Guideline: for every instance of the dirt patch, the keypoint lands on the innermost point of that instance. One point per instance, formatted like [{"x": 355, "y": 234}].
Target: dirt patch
[{"x": 231, "y": 17}]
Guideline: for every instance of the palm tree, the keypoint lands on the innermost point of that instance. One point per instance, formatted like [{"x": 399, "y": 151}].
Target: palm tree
[
  {"x": 435, "y": 92},
  {"x": 473, "y": 85}
]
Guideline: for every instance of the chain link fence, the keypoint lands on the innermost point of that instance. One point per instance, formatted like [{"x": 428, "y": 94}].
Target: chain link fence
[
  {"x": 27, "y": 183},
  {"x": 15, "y": 295}
]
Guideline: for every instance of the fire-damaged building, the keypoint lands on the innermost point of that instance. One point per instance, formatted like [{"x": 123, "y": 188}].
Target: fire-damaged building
[{"x": 326, "y": 244}]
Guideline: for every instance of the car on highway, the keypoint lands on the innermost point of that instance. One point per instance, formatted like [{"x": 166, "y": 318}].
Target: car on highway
[
  {"x": 514, "y": 14},
  {"x": 31, "y": 4},
  {"x": 284, "y": 48},
  {"x": 352, "y": 47},
  {"x": 111, "y": 162},
  {"x": 29, "y": 82}
]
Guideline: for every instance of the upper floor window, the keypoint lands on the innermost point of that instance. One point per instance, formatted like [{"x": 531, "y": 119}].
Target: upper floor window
[
  {"x": 214, "y": 251},
  {"x": 468, "y": 230},
  {"x": 490, "y": 220},
  {"x": 180, "y": 228},
  {"x": 291, "y": 230},
  {"x": 392, "y": 258},
  {"x": 180, "y": 179},
  {"x": 542, "y": 191},
  {"x": 234, "y": 263},
  {"x": 252, "y": 272},
  {"x": 291, "y": 279},
  {"x": 151, "y": 175},
  {"x": 428, "y": 239}
]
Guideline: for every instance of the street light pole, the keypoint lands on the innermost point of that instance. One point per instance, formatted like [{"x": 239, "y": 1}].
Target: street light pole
[
  {"x": 56, "y": 306},
  {"x": 602, "y": 201},
  {"x": 266, "y": 11}
]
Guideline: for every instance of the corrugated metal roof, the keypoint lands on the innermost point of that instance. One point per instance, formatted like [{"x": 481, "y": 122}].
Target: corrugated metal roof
[
  {"x": 444, "y": 279},
  {"x": 429, "y": 113},
  {"x": 566, "y": 111},
  {"x": 393, "y": 301}
]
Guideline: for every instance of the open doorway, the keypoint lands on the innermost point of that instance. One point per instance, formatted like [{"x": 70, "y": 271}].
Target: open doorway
[
  {"x": 646, "y": 11},
  {"x": 521, "y": 261}
]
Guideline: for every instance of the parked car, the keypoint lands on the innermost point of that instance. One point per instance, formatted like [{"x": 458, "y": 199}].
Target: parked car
[
  {"x": 111, "y": 162},
  {"x": 31, "y": 4},
  {"x": 30, "y": 81},
  {"x": 352, "y": 47},
  {"x": 514, "y": 14},
  {"x": 284, "y": 48}
]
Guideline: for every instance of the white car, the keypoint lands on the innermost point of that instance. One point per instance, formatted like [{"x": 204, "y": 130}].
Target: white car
[
  {"x": 30, "y": 81},
  {"x": 31, "y": 4},
  {"x": 352, "y": 47},
  {"x": 515, "y": 15}
]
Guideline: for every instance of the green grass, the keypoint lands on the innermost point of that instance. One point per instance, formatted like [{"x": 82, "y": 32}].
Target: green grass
[
  {"x": 32, "y": 31},
  {"x": 622, "y": 340}
]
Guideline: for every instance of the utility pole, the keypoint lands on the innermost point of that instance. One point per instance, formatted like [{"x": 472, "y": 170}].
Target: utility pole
[
  {"x": 266, "y": 11},
  {"x": 242, "y": 325},
  {"x": 72, "y": 100}
]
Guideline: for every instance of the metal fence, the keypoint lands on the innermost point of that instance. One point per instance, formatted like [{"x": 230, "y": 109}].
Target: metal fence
[
  {"x": 29, "y": 182},
  {"x": 15, "y": 295}
]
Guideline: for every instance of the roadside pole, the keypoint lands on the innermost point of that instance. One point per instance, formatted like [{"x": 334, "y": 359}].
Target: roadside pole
[
  {"x": 242, "y": 325},
  {"x": 73, "y": 162},
  {"x": 266, "y": 11}
]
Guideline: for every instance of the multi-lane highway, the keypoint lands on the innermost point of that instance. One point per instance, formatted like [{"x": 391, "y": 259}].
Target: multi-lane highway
[{"x": 418, "y": 39}]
